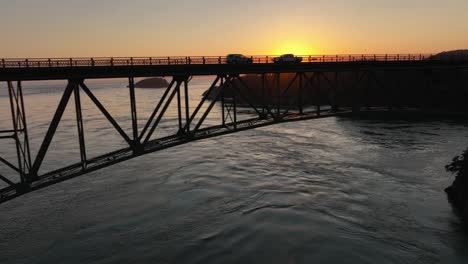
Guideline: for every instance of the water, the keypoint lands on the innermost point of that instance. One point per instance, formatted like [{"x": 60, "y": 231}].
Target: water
[{"x": 325, "y": 191}]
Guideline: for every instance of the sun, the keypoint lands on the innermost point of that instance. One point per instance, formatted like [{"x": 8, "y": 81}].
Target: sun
[{"x": 294, "y": 47}]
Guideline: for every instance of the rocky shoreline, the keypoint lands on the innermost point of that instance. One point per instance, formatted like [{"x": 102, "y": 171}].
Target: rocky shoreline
[{"x": 458, "y": 192}]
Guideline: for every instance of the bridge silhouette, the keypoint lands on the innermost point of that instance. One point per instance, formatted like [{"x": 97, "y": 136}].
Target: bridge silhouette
[{"x": 191, "y": 119}]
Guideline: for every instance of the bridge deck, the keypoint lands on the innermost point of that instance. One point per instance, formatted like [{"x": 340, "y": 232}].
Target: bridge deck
[{"x": 89, "y": 68}]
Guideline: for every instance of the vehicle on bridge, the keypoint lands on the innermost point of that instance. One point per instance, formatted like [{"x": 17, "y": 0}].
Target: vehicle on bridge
[
  {"x": 287, "y": 58},
  {"x": 238, "y": 59}
]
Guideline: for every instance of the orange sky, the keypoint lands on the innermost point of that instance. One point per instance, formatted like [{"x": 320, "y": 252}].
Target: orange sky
[{"x": 57, "y": 28}]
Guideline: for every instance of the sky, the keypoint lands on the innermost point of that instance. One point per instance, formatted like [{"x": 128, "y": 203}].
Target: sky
[{"x": 111, "y": 28}]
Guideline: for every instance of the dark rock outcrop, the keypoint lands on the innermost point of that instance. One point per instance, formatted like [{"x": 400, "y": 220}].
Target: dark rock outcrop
[
  {"x": 156, "y": 82},
  {"x": 458, "y": 192}
]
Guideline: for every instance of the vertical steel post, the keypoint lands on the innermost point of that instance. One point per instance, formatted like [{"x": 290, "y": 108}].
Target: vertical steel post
[
  {"x": 223, "y": 114},
  {"x": 319, "y": 94},
  {"x": 131, "y": 86},
  {"x": 334, "y": 106},
  {"x": 25, "y": 125},
  {"x": 389, "y": 92},
  {"x": 52, "y": 129},
  {"x": 301, "y": 84},
  {"x": 263, "y": 94},
  {"x": 367, "y": 91},
  {"x": 187, "y": 105},
  {"x": 355, "y": 91},
  {"x": 179, "y": 106},
  {"x": 278, "y": 91},
  {"x": 14, "y": 117},
  {"x": 234, "y": 101},
  {"x": 79, "y": 125}
]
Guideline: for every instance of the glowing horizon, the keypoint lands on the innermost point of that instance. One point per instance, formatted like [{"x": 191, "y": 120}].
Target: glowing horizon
[{"x": 116, "y": 28}]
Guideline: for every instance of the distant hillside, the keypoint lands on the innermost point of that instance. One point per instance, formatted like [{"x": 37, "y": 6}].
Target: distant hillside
[
  {"x": 156, "y": 82},
  {"x": 461, "y": 54}
]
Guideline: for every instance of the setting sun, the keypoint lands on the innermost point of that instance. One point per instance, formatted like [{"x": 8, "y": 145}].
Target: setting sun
[{"x": 294, "y": 47}]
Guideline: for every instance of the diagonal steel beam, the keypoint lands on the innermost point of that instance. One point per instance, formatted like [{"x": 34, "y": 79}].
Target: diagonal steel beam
[
  {"x": 6, "y": 162},
  {"x": 187, "y": 106},
  {"x": 208, "y": 110},
  {"x": 161, "y": 114},
  {"x": 79, "y": 125},
  {"x": 286, "y": 90},
  {"x": 156, "y": 110},
  {"x": 106, "y": 113},
  {"x": 5, "y": 179},
  {"x": 234, "y": 86},
  {"x": 14, "y": 115},
  {"x": 52, "y": 129},
  {"x": 205, "y": 97},
  {"x": 179, "y": 109},
  {"x": 27, "y": 159},
  {"x": 133, "y": 110}
]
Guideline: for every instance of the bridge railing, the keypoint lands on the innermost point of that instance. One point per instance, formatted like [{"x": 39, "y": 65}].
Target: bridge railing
[{"x": 180, "y": 60}]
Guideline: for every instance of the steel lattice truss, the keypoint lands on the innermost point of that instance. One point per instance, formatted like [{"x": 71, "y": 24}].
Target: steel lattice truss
[
  {"x": 228, "y": 89},
  {"x": 191, "y": 124}
]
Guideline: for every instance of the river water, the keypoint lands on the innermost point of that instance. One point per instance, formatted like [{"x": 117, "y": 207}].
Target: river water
[{"x": 333, "y": 190}]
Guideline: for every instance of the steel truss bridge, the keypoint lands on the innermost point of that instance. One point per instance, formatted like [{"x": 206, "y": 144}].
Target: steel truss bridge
[{"x": 191, "y": 119}]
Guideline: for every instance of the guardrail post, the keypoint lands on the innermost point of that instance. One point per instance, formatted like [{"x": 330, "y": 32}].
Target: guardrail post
[
  {"x": 189, "y": 60},
  {"x": 27, "y": 63},
  {"x": 112, "y": 61},
  {"x": 375, "y": 57},
  {"x": 3, "y": 63},
  {"x": 151, "y": 60},
  {"x": 204, "y": 60},
  {"x": 336, "y": 58},
  {"x": 92, "y": 62},
  {"x": 131, "y": 61},
  {"x": 169, "y": 60},
  {"x": 398, "y": 57},
  {"x": 71, "y": 62},
  {"x": 219, "y": 60},
  {"x": 50, "y": 62}
]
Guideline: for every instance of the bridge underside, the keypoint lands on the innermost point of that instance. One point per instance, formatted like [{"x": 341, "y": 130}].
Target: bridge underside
[
  {"x": 272, "y": 101},
  {"x": 231, "y": 92}
]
